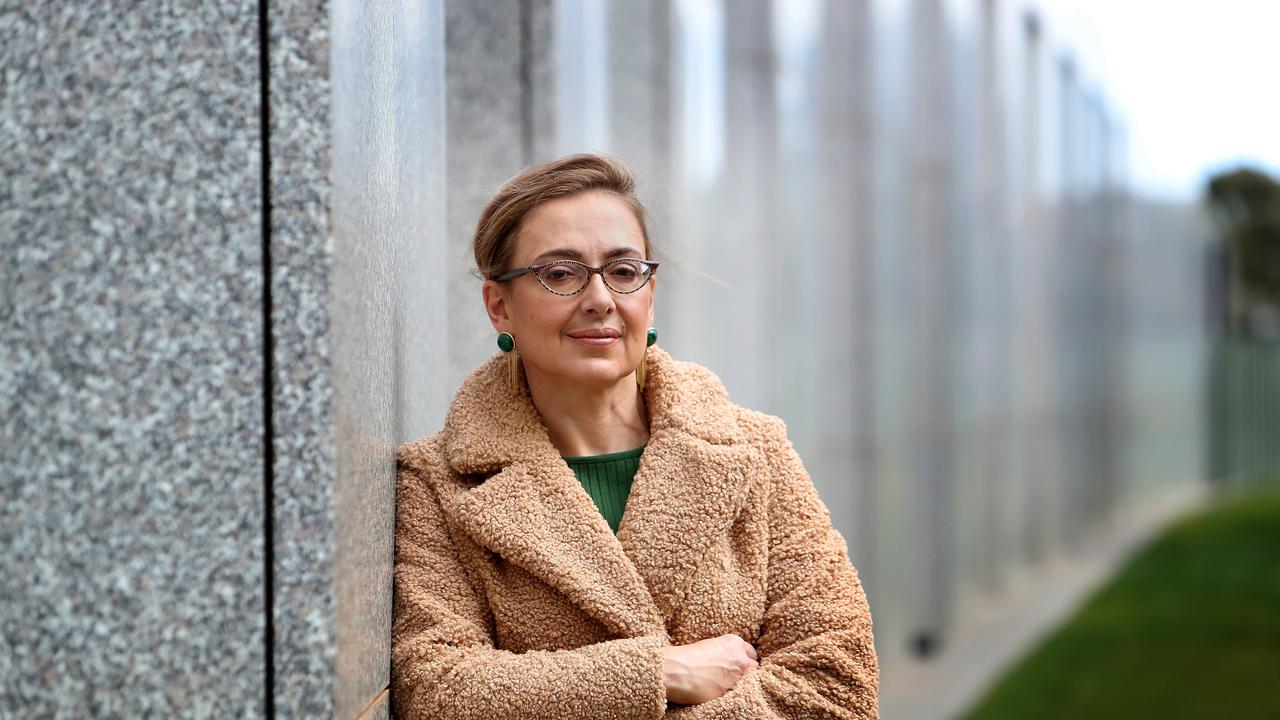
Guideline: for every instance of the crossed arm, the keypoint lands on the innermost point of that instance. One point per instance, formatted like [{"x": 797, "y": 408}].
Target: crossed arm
[{"x": 817, "y": 655}]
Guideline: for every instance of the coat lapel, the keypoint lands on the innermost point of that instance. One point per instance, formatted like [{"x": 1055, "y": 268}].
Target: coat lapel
[
  {"x": 537, "y": 517},
  {"x": 685, "y": 494},
  {"x": 694, "y": 477},
  {"x": 520, "y": 500}
]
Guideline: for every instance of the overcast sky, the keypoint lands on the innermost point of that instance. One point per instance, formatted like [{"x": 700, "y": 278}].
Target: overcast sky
[{"x": 1196, "y": 81}]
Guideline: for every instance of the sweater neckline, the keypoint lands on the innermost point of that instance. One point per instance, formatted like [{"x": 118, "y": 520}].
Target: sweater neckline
[{"x": 607, "y": 457}]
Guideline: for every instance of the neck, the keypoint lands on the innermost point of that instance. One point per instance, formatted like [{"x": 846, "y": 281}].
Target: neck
[{"x": 588, "y": 420}]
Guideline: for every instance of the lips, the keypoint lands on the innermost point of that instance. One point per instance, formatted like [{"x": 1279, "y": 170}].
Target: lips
[{"x": 600, "y": 333}]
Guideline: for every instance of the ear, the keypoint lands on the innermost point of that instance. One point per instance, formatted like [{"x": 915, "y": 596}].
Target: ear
[
  {"x": 653, "y": 292},
  {"x": 495, "y": 303}
]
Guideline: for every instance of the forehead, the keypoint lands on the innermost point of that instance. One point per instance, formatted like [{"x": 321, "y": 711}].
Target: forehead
[{"x": 592, "y": 224}]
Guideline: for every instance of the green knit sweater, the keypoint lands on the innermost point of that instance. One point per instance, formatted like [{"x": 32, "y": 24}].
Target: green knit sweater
[{"x": 607, "y": 479}]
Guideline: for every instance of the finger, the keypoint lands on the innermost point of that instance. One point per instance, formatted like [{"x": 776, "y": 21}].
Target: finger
[{"x": 751, "y": 652}]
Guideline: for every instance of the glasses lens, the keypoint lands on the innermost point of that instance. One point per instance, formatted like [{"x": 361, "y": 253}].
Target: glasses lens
[
  {"x": 566, "y": 278},
  {"x": 626, "y": 275}
]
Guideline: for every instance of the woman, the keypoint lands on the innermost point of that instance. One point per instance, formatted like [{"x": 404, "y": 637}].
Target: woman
[{"x": 523, "y": 588}]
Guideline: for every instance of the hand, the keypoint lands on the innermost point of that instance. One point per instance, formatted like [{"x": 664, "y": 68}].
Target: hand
[{"x": 707, "y": 669}]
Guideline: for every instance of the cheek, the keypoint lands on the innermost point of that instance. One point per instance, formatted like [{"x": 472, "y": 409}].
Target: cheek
[
  {"x": 542, "y": 321},
  {"x": 640, "y": 313},
  {"x": 637, "y": 322}
]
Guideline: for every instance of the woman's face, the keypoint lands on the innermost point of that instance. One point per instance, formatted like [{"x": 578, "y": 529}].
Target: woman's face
[{"x": 595, "y": 337}]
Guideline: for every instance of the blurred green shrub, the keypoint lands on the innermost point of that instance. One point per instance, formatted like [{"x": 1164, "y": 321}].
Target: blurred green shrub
[{"x": 1245, "y": 206}]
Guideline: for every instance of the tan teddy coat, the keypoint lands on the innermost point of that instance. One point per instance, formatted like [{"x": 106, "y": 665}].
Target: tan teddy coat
[{"x": 514, "y": 599}]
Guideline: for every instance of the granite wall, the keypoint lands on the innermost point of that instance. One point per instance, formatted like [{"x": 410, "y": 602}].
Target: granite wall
[
  {"x": 132, "y": 436},
  {"x": 211, "y": 350}
]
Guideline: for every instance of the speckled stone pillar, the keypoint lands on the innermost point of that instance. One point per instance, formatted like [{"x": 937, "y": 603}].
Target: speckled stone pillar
[
  {"x": 218, "y": 226},
  {"x": 131, "y": 362}
]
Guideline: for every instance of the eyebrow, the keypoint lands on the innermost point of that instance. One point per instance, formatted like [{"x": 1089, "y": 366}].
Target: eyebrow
[{"x": 575, "y": 255}]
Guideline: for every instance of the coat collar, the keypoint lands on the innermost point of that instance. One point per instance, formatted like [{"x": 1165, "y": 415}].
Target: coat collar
[
  {"x": 490, "y": 428},
  {"x": 694, "y": 476}
]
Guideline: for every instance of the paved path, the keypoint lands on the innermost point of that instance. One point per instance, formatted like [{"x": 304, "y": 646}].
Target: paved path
[{"x": 1003, "y": 628}]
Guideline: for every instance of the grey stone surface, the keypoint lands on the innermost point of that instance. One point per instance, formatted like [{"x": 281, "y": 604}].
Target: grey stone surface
[
  {"x": 304, "y": 472},
  {"x": 388, "y": 304},
  {"x": 584, "y": 121},
  {"x": 131, "y": 413},
  {"x": 697, "y": 143},
  {"x": 890, "y": 300}
]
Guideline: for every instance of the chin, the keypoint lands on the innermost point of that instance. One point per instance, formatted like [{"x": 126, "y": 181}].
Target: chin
[{"x": 600, "y": 372}]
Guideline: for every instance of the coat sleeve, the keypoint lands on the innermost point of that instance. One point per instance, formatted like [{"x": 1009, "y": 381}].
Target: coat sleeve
[
  {"x": 444, "y": 663},
  {"x": 817, "y": 657}
]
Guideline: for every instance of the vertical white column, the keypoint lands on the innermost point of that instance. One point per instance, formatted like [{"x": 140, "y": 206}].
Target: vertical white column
[
  {"x": 581, "y": 41},
  {"x": 698, "y": 151},
  {"x": 895, "y": 542},
  {"x": 742, "y": 246},
  {"x": 929, "y": 239}
]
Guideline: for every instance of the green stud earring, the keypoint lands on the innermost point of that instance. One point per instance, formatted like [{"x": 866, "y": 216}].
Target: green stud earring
[
  {"x": 506, "y": 343},
  {"x": 652, "y": 337}
]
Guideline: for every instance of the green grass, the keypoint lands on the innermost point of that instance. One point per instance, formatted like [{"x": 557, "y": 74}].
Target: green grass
[{"x": 1189, "y": 628}]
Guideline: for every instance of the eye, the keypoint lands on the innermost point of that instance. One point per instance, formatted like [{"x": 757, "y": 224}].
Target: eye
[
  {"x": 562, "y": 275},
  {"x": 626, "y": 270}
]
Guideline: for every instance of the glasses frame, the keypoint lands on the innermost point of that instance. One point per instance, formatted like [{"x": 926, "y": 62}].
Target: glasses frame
[{"x": 533, "y": 269}]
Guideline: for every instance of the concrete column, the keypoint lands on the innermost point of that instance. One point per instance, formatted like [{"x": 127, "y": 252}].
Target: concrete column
[
  {"x": 639, "y": 82},
  {"x": 741, "y": 247},
  {"x": 697, "y": 150},
  {"x": 387, "y": 318},
  {"x": 931, "y": 223},
  {"x": 991, "y": 292},
  {"x": 839, "y": 276},
  {"x": 490, "y": 103},
  {"x": 638, "y": 96},
  {"x": 1035, "y": 458},
  {"x": 896, "y": 541}
]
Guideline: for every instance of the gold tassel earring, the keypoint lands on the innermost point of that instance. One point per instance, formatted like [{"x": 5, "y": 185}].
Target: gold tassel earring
[
  {"x": 643, "y": 370},
  {"x": 507, "y": 344}
]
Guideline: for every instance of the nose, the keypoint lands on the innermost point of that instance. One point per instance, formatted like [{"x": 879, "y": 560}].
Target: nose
[{"x": 596, "y": 296}]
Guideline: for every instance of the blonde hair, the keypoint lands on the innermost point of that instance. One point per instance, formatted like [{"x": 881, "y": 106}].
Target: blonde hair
[{"x": 494, "y": 242}]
